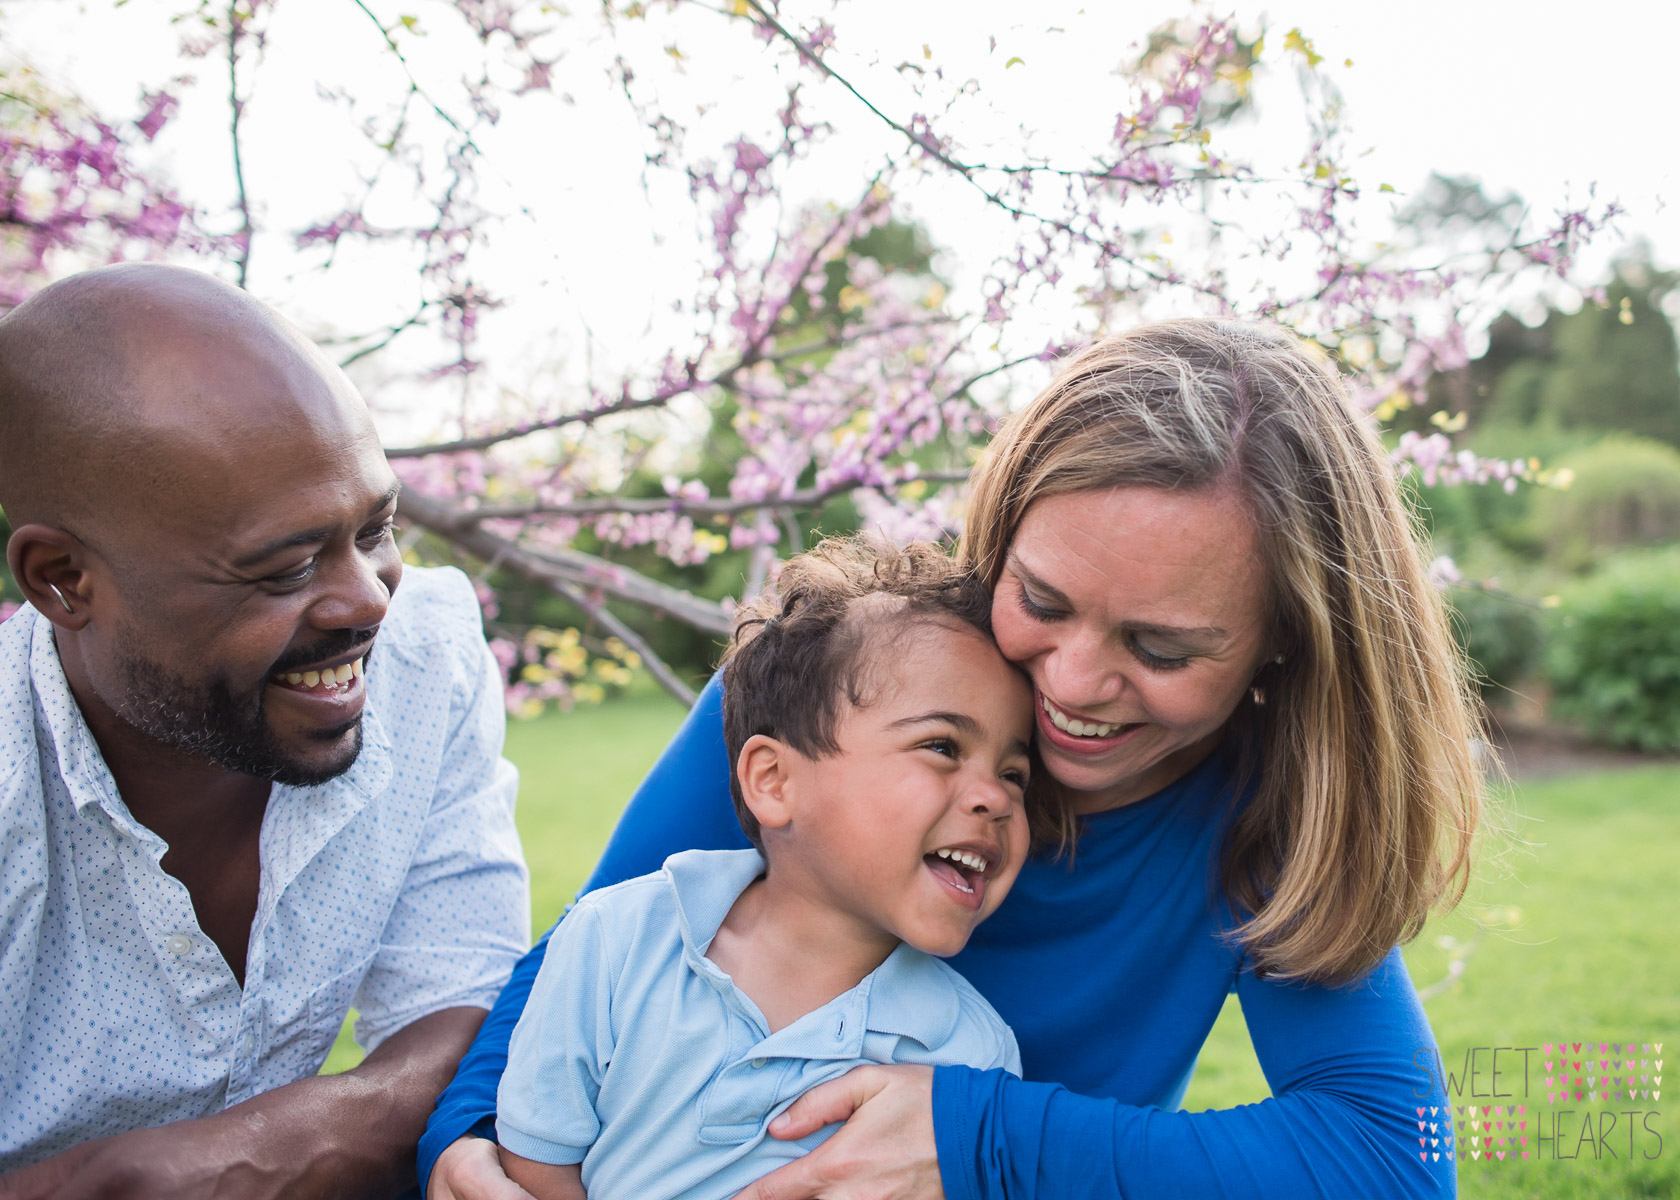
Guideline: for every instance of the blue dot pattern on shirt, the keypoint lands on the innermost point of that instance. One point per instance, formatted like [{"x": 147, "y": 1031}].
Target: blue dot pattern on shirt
[{"x": 398, "y": 887}]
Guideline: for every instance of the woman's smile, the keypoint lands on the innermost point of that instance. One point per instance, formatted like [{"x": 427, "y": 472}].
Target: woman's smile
[{"x": 1139, "y": 614}]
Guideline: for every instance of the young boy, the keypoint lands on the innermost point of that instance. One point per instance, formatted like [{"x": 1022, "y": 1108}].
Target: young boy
[{"x": 880, "y": 744}]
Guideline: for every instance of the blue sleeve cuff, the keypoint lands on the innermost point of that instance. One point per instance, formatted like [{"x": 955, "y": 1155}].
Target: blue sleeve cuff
[{"x": 953, "y": 1136}]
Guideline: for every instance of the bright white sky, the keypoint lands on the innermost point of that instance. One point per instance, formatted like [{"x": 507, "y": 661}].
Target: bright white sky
[{"x": 1545, "y": 97}]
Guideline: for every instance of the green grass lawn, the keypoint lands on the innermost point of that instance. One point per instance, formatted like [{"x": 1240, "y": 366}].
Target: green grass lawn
[{"x": 1581, "y": 945}]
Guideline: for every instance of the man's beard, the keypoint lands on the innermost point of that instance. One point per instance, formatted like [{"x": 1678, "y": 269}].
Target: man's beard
[{"x": 210, "y": 722}]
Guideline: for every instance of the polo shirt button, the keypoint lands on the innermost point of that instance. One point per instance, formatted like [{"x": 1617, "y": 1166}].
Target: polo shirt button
[
  {"x": 756, "y": 1063},
  {"x": 179, "y": 944}
]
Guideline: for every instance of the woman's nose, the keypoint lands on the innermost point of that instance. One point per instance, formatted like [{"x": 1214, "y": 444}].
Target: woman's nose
[{"x": 1082, "y": 671}]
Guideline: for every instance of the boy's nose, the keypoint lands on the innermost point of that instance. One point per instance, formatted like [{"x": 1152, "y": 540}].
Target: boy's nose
[{"x": 986, "y": 795}]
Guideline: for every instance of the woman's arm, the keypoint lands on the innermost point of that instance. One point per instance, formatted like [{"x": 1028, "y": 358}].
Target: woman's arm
[
  {"x": 683, "y": 804},
  {"x": 1349, "y": 1070}
]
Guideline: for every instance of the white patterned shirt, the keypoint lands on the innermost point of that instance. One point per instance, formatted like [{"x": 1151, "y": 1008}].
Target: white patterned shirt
[{"x": 398, "y": 887}]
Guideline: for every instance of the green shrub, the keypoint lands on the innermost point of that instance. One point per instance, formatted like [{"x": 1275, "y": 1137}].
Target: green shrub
[
  {"x": 1614, "y": 663},
  {"x": 1625, "y": 492},
  {"x": 1501, "y": 635}
]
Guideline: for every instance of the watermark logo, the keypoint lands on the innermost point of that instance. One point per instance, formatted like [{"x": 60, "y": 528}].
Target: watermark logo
[{"x": 1573, "y": 1104}]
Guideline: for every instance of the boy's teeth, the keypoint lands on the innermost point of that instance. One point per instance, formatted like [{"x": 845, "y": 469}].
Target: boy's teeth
[
  {"x": 1076, "y": 728},
  {"x": 964, "y": 858}
]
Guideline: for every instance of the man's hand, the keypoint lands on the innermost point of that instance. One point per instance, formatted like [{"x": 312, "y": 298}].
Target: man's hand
[
  {"x": 337, "y": 1136},
  {"x": 885, "y": 1151},
  {"x": 469, "y": 1169}
]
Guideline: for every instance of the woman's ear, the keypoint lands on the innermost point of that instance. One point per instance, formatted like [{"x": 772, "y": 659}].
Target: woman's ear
[{"x": 764, "y": 769}]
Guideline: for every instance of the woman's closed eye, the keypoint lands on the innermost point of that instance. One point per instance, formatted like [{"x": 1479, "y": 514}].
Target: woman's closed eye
[
  {"x": 1154, "y": 659},
  {"x": 1036, "y": 610}
]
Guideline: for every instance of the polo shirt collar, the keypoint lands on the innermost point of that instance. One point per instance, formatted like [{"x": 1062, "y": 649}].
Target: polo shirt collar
[{"x": 909, "y": 995}]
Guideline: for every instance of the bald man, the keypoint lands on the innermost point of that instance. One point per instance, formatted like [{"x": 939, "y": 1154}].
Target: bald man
[{"x": 245, "y": 782}]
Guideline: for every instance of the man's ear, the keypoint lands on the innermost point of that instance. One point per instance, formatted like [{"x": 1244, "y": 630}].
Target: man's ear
[
  {"x": 50, "y": 566},
  {"x": 764, "y": 769}
]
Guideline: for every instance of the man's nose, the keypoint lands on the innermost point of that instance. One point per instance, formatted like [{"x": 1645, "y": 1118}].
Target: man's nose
[{"x": 358, "y": 591}]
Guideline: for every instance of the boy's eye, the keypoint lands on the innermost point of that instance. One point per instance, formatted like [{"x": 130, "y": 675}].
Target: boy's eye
[
  {"x": 943, "y": 746},
  {"x": 1016, "y": 777}
]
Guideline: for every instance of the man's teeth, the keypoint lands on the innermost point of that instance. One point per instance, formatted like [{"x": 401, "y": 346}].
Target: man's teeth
[
  {"x": 964, "y": 858},
  {"x": 332, "y": 677},
  {"x": 1077, "y": 728}
]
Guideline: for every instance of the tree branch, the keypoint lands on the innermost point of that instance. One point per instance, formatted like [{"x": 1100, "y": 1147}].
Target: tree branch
[
  {"x": 236, "y": 31},
  {"x": 656, "y": 666},
  {"x": 554, "y": 568},
  {"x": 606, "y": 506}
]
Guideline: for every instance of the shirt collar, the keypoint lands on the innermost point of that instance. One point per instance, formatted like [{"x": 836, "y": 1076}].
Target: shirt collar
[
  {"x": 88, "y": 779},
  {"x": 80, "y": 764},
  {"x": 910, "y": 994}
]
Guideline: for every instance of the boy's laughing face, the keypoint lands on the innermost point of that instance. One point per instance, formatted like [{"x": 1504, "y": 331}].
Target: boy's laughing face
[{"x": 916, "y": 829}]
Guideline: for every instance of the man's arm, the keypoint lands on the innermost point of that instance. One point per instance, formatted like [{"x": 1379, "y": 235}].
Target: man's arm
[{"x": 349, "y": 1135}]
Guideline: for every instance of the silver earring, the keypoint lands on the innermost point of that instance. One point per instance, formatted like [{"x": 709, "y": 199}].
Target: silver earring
[
  {"x": 1278, "y": 660},
  {"x": 61, "y": 599},
  {"x": 1257, "y": 694}
]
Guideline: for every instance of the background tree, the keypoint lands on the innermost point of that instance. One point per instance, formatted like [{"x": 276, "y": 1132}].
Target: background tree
[{"x": 821, "y": 363}]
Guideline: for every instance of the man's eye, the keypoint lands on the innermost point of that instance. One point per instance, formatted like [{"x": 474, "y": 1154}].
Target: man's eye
[
  {"x": 372, "y": 537},
  {"x": 293, "y": 578}
]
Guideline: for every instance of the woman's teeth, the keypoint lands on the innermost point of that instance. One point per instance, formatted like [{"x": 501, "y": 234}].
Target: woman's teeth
[
  {"x": 1077, "y": 728},
  {"x": 333, "y": 677}
]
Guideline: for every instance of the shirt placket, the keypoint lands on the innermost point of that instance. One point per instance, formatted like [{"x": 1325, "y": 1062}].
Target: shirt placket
[{"x": 190, "y": 963}]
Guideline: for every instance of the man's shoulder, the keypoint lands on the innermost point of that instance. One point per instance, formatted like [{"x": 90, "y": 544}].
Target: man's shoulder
[
  {"x": 432, "y": 604},
  {"x": 17, "y": 704}
]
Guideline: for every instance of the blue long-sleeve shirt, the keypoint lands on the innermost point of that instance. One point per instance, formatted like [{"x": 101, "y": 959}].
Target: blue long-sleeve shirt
[{"x": 1111, "y": 969}]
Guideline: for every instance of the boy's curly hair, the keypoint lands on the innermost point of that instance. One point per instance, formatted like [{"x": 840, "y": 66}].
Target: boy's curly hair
[{"x": 804, "y": 647}]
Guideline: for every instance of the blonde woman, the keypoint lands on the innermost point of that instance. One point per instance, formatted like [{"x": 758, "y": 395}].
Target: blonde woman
[{"x": 1248, "y": 699}]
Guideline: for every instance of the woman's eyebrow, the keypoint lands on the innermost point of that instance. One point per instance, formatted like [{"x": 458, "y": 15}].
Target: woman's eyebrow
[
  {"x": 1055, "y": 596},
  {"x": 1195, "y": 631},
  {"x": 1038, "y": 585}
]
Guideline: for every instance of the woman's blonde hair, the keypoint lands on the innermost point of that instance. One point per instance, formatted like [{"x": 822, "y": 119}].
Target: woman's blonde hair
[{"x": 1367, "y": 795}]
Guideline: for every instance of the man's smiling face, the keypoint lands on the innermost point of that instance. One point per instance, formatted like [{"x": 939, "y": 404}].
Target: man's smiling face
[{"x": 252, "y": 560}]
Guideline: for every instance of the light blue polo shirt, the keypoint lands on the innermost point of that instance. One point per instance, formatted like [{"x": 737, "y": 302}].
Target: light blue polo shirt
[{"x": 638, "y": 1057}]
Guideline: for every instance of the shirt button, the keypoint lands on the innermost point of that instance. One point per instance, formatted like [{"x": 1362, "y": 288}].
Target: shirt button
[
  {"x": 756, "y": 1063},
  {"x": 179, "y": 944}
]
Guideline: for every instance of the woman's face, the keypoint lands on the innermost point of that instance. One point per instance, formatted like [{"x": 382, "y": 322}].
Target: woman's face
[{"x": 1139, "y": 614}]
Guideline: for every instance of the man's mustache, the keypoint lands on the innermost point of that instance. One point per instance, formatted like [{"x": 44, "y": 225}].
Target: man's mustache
[{"x": 331, "y": 646}]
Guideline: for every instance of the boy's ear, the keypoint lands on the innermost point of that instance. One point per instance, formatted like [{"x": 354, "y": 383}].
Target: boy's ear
[{"x": 763, "y": 770}]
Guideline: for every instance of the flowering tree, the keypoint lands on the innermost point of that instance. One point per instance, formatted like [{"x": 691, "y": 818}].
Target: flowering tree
[{"x": 795, "y": 370}]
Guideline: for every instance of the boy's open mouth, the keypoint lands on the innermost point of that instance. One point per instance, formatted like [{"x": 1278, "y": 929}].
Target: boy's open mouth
[{"x": 960, "y": 867}]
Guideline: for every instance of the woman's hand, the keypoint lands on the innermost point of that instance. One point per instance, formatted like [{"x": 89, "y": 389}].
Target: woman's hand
[
  {"x": 884, "y": 1152},
  {"x": 468, "y": 1169}
]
